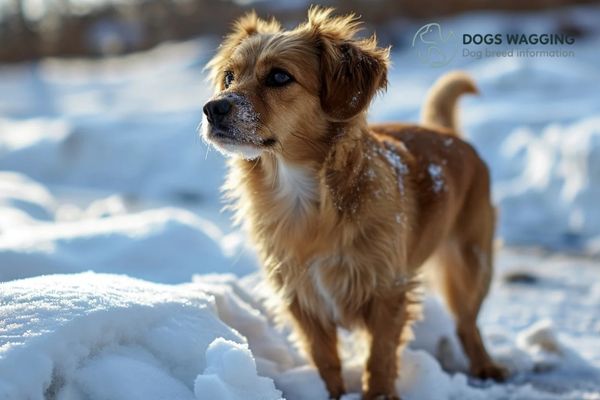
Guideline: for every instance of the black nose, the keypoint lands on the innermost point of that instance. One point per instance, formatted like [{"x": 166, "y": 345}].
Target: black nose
[{"x": 215, "y": 110}]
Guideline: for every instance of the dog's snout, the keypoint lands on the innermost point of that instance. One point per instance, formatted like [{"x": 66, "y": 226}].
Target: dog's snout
[{"x": 215, "y": 110}]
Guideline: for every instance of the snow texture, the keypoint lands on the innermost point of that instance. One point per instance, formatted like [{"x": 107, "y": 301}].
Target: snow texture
[{"x": 74, "y": 333}]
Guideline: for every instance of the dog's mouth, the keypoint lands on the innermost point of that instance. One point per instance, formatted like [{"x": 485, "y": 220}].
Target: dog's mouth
[
  {"x": 233, "y": 141},
  {"x": 224, "y": 136},
  {"x": 228, "y": 136}
]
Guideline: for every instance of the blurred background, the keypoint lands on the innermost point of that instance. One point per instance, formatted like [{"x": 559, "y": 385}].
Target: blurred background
[
  {"x": 31, "y": 29},
  {"x": 101, "y": 165}
]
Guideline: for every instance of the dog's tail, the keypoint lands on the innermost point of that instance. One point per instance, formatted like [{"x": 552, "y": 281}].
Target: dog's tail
[{"x": 440, "y": 106}]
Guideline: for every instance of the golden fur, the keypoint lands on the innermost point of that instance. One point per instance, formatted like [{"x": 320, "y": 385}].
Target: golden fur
[{"x": 344, "y": 214}]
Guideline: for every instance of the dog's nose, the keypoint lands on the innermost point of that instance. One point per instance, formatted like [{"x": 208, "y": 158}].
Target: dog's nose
[{"x": 215, "y": 110}]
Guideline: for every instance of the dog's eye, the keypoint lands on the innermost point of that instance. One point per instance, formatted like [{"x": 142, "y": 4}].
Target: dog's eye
[
  {"x": 228, "y": 79},
  {"x": 278, "y": 77}
]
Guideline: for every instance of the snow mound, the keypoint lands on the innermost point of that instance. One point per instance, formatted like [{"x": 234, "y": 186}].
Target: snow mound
[
  {"x": 433, "y": 367},
  {"x": 23, "y": 201},
  {"x": 231, "y": 375},
  {"x": 74, "y": 333},
  {"x": 556, "y": 183},
  {"x": 154, "y": 156},
  {"x": 215, "y": 339},
  {"x": 166, "y": 245}
]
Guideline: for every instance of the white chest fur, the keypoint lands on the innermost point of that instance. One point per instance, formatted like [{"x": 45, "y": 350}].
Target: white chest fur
[
  {"x": 296, "y": 186},
  {"x": 316, "y": 271}
]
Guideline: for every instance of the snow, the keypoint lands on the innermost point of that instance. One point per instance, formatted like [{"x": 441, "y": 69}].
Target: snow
[
  {"x": 23, "y": 201},
  {"x": 394, "y": 160},
  {"x": 560, "y": 166},
  {"x": 215, "y": 338},
  {"x": 437, "y": 177},
  {"x": 121, "y": 279},
  {"x": 231, "y": 375},
  {"x": 163, "y": 245},
  {"x": 74, "y": 333}
]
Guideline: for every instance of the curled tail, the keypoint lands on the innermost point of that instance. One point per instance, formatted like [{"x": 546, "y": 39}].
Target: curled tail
[{"x": 440, "y": 106}]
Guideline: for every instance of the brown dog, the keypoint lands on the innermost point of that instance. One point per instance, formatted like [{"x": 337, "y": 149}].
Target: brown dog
[{"x": 344, "y": 214}]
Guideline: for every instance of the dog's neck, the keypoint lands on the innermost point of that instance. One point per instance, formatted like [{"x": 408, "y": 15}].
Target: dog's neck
[
  {"x": 291, "y": 188},
  {"x": 295, "y": 177},
  {"x": 294, "y": 184}
]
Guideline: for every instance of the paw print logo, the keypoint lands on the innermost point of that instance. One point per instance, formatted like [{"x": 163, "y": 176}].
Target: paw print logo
[{"x": 433, "y": 48}]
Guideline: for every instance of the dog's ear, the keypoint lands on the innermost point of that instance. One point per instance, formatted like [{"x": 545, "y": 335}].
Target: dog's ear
[
  {"x": 351, "y": 74},
  {"x": 246, "y": 26},
  {"x": 351, "y": 70}
]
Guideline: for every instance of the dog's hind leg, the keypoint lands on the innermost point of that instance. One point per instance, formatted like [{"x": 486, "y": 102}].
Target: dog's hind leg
[{"x": 464, "y": 277}]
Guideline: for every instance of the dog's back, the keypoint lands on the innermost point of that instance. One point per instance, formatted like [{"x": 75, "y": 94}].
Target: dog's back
[
  {"x": 448, "y": 169},
  {"x": 455, "y": 220}
]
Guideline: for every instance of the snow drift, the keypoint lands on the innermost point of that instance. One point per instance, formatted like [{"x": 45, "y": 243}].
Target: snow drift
[{"x": 66, "y": 336}]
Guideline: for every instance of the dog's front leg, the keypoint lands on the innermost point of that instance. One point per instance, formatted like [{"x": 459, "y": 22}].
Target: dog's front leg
[
  {"x": 386, "y": 318},
  {"x": 320, "y": 342}
]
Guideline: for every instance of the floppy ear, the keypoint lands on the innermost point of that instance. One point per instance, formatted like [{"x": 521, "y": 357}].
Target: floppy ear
[
  {"x": 244, "y": 27},
  {"x": 351, "y": 73}
]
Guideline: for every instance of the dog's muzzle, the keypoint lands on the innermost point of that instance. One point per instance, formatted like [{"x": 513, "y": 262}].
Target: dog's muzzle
[{"x": 232, "y": 119}]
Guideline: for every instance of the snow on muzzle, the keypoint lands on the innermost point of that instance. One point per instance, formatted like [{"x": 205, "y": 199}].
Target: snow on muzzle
[{"x": 231, "y": 119}]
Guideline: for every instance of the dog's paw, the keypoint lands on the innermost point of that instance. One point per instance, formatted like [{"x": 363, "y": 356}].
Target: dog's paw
[
  {"x": 491, "y": 371},
  {"x": 368, "y": 396},
  {"x": 336, "y": 394}
]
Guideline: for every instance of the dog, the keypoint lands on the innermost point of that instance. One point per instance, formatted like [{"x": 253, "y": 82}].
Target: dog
[{"x": 343, "y": 214}]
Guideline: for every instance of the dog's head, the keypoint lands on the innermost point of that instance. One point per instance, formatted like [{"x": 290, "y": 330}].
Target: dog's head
[{"x": 282, "y": 91}]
